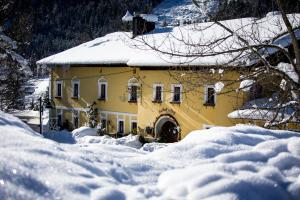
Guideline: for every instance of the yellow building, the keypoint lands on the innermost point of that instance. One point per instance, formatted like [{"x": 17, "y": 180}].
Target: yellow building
[{"x": 136, "y": 88}]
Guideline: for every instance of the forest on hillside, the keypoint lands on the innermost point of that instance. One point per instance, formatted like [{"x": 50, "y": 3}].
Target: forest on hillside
[{"x": 43, "y": 28}]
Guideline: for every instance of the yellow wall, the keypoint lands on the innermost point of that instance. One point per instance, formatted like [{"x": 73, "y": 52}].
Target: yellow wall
[
  {"x": 117, "y": 101},
  {"x": 191, "y": 114}
]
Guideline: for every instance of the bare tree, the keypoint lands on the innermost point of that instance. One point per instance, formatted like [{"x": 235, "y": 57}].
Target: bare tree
[{"x": 265, "y": 52}]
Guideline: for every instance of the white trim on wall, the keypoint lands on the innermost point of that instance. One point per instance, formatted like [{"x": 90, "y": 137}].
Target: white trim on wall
[
  {"x": 50, "y": 86},
  {"x": 118, "y": 113},
  {"x": 71, "y": 109}
]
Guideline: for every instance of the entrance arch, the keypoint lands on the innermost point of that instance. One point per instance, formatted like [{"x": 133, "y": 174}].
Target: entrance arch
[{"x": 166, "y": 129}]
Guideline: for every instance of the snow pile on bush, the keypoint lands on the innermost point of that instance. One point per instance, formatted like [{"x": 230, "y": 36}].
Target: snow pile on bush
[
  {"x": 84, "y": 131},
  {"x": 240, "y": 162},
  {"x": 85, "y": 135}
]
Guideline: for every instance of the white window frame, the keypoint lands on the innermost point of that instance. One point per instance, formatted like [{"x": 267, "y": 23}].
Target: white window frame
[
  {"x": 155, "y": 85},
  {"x": 50, "y": 87},
  {"x": 172, "y": 92},
  {"x": 61, "y": 88},
  {"x": 131, "y": 121},
  {"x": 59, "y": 112},
  {"x": 102, "y": 81},
  {"x": 103, "y": 116},
  {"x": 206, "y": 93},
  {"x": 73, "y": 83},
  {"x": 118, "y": 128},
  {"x": 132, "y": 82},
  {"x": 74, "y": 114}
]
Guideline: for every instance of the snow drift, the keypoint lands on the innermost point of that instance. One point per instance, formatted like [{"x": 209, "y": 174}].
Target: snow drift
[{"x": 241, "y": 162}]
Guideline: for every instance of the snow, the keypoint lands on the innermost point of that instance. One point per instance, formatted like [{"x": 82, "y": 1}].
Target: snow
[
  {"x": 242, "y": 162},
  {"x": 245, "y": 85},
  {"x": 289, "y": 70},
  {"x": 184, "y": 11},
  {"x": 257, "y": 114},
  {"x": 219, "y": 87},
  {"x": 150, "y": 17},
  {"x": 35, "y": 88},
  {"x": 84, "y": 131},
  {"x": 266, "y": 109},
  {"x": 127, "y": 17},
  {"x": 85, "y": 135},
  {"x": 119, "y": 48}
]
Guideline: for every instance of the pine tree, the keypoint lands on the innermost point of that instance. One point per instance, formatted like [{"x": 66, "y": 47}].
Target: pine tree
[{"x": 92, "y": 115}]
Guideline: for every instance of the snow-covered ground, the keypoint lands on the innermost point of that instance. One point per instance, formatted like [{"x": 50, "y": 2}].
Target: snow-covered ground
[
  {"x": 35, "y": 89},
  {"x": 242, "y": 162}
]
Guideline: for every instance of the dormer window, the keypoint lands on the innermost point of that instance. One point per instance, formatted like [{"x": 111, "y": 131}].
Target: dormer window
[
  {"x": 176, "y": 90},
  {"x": 133, "y": 86},
  {"x": 75, "y": 89}
]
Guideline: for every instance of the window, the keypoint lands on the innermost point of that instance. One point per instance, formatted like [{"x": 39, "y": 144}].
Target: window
[
  {"x": 103, "y": 124},
  {"x": 176, "y": 90},
  {"x": 133, "y": 86},
  {"x": 120, "y": 126},
  {"x": 75, "y": 89},
  {"x": 59, "y": 89},
  {"x": 157, "y": 93},
  {"x": 133, "y": 93},
  {"x": 210, "y": 96},
  {"x": 133, "y": 127},
  {"x": 102, "y": 89},
  {"x": 59, "y": 118},
  {"x": 75, "y": 119}
]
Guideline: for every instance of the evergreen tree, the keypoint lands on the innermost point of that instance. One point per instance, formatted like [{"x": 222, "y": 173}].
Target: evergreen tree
[{"x": 92, "y": 114}]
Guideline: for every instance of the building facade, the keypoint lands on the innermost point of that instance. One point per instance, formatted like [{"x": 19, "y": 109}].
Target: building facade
[
  {"x": 144, "y": 100},
  {"x": 137, "y": 81}
]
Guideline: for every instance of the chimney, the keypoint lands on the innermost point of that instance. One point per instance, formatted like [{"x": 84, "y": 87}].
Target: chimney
[{"x": 141, "y": 23}]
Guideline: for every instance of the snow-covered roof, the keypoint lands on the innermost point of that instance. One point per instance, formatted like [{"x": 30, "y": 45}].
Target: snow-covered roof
[
  {"x": 127, "y": 17},
  {"x": 150, "y": 17},
  {"x": 119, "y": 48},
  {"x": 266, "y": 109}
]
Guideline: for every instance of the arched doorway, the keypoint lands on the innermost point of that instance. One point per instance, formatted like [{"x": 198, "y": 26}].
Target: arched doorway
[{"x": 167, "y": 129}]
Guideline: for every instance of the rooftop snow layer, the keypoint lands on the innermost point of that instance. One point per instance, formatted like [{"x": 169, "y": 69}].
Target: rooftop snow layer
[{"x": 168, "y": 46}]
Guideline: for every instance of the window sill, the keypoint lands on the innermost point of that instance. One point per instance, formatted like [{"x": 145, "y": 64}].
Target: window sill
[
  {"x": 57, "y": 97},
  {"x": 76, "y": 98},
  {"x": 157, "y": 101},
  {"x": 132, "y": 101},
  {"x": 175, "y": 102},
  {"x": 101, "y": 99},
  {"x": 209, "y": 104}
]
